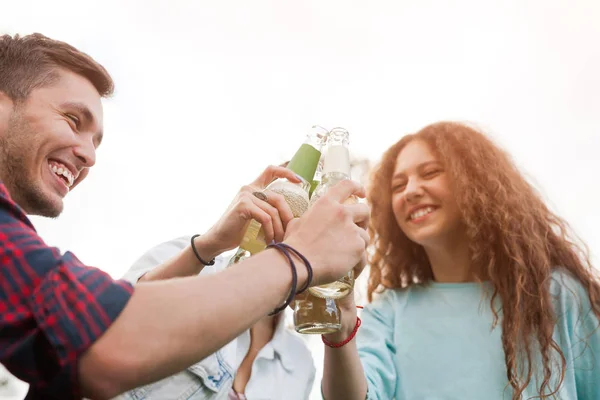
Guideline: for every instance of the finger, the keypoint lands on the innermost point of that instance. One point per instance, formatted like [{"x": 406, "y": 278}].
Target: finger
[
  {"x": 344, "y": 189},
  {"x": 246, "y": 193},
  {"x": 364, "y": 235},
  {"x": 250, "y": 189},
  {"x": 278, "y": 201},
  {"x": 273, "y": 172},
  {"x": 276, "y": 223},
  {"x": 360, "y": 214},
  {"x": 292, "y": 226},
  {"x": 253, "y": 211},
  {"x": 358, "y": 269}
]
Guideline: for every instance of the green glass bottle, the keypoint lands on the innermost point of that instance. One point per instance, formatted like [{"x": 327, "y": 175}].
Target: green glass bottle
[{"x": 304, "y": 164}]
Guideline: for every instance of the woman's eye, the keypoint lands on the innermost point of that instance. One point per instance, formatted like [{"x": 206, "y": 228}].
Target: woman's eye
[
  {"x": 432, "y": 173},
  {"x": 398, "y": 187}
]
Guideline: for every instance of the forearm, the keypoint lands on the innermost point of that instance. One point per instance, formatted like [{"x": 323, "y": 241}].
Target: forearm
[
  {"x": 185, "y": 263},
  {"x": 343, "y": 374},
  {"x": 169, "y": 325}
]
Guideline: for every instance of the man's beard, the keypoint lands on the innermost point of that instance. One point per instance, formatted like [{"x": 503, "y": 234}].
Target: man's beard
[{"x": 15, "y": 145}]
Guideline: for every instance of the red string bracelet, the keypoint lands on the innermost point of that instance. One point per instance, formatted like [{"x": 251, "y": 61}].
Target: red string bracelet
[{"x": 349, "y": 338}]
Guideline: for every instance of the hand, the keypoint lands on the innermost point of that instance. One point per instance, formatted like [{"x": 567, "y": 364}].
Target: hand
[
  {"x": 346, "y": 303},
  {"x": 348, "y": 311},
  {"x": 273, "y": 214},
  {"x": 332, "y": 235}
]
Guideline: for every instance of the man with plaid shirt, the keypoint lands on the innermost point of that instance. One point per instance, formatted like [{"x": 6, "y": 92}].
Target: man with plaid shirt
[{"x": 70, "y": 330}]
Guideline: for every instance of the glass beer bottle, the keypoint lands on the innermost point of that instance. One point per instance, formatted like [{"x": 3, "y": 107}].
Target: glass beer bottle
[
  {"x": 315, "y": 315},
  {"x": 336, "y": 167},
  {"x": 304, "y": 164}
]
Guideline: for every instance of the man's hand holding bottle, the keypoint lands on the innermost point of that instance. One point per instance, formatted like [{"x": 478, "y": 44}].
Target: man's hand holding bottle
[{"x": 331, "y": 235}]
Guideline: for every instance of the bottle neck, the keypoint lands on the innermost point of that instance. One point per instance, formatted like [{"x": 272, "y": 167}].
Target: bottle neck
[
  {"x": 331, "y": 178},
  {"x": 305, "y": 161},
  {"x": 283, "y": 182},
  {"x": 337, "y": 159},
  {"x": 317, "y": 142},
  {"x": 338, "y": 137},
  {"x": 317, "y": 137}
]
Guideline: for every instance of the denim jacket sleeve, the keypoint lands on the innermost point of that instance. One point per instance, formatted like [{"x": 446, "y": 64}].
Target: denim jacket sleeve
[{"x": 208, "y": 379}]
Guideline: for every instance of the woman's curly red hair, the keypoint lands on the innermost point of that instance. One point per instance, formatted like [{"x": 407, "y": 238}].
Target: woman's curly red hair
[{"x": 515, "y": 242}]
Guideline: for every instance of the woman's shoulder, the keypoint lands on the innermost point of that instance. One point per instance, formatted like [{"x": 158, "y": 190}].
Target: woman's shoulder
[
  {"x": 392, "y": 299},
  {"x": 566, "y": 288},
  {"x": 570, "y": 298}
]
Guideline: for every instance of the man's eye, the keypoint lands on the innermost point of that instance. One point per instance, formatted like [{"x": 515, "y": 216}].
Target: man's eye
[{"x": 74, "y": 119}]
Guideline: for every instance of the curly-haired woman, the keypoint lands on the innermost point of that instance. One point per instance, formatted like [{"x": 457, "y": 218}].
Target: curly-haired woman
[{"x": 481, "y": 292}]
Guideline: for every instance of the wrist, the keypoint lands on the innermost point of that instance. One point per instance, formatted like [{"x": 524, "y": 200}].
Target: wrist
[
  {"x": 301, "y": 271},
  {"x": 348, "y": 321},
  {"x": 207, "y": 248},
  {"x": 341, "y": 343},
  {"x": 317, "y": 273}
]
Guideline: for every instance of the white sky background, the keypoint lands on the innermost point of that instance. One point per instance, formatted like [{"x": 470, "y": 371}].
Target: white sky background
[{"x": 209, "y": 93}]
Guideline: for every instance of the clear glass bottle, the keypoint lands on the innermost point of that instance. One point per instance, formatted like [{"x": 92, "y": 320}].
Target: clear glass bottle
[
  {"x": 315, "y": 315},
  {"x": 317, "y": 179},
  {"x": 336, "y": 167}
]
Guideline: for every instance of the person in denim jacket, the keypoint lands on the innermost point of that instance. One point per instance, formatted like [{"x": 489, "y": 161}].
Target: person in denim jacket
[{"x": 266, "y": 362}]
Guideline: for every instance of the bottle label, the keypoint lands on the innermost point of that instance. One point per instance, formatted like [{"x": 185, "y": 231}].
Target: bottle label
[
  {"x": 337, "y": 159},
  {"x": 296, "y": 197},
  {"x": 305, "y": 161}
]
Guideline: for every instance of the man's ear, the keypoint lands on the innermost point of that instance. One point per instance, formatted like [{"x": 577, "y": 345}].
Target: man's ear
[{"x": 7, "y": 106}]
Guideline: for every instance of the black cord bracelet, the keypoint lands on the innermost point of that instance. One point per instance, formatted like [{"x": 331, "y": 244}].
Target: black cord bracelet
[
  {"x": 211, "y": 262},
  {"x": 290, "y": 297},
  {"x": 306, "y": 264}
]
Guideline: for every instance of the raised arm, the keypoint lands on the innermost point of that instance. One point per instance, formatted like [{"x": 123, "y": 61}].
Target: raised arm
[
  {"x": 274, "y": 214},
  {"x": 367, "y": 361},
  {"x": 166, "y": 325}
]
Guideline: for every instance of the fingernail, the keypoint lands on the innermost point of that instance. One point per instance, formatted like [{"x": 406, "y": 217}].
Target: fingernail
[
  {"x": 299, "y": 177},
  {"x": 272, "y": 242}
]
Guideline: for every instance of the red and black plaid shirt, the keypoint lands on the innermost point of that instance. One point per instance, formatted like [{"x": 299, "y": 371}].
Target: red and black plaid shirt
[{"x": 52, "y": 307}]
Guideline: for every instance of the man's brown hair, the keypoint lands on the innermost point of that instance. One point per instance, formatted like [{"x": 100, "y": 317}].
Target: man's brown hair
[{"x": 31, "y": 61}]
